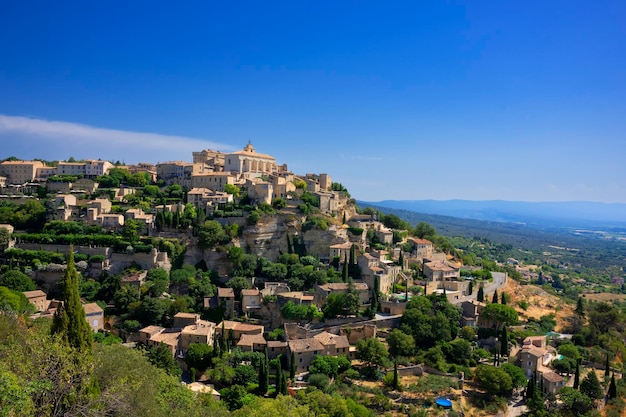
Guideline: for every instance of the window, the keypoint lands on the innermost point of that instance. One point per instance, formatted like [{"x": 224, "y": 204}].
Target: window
[{"x": 95, "y": 323}]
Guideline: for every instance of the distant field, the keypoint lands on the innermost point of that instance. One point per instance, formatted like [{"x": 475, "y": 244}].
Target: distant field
[{"x": 605, "y": 296}]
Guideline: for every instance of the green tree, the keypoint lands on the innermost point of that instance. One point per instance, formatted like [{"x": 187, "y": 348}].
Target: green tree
[
  {"x": 500, "y": 315},
  {"x": 591, "y": 387},
  {"x": 211, "y": 234},
  {"x": 292, "y": 366},
  {"x": 17, "y": 281},
  {"x": 70, "y": 321},
  {"x": 574, "y": 401},
  {"x": 494, "y": 380},
  {"x": 400, "y": 343},
  {"x": 516, "y": 373},
  {"x": 199, "y": 356},
  {"x": 372, "y": 351},
  {"x": 161, "y": 356},
  {"x": 480, "y": 296},
  {"x": 424, "y": 231},
  {"x": 577, "y": 375},
  {"x": 612, "y": 392},
  {"x": 495, "y": 297}
]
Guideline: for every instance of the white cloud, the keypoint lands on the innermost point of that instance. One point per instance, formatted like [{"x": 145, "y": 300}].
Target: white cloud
[{"x": 66, "y": 134}]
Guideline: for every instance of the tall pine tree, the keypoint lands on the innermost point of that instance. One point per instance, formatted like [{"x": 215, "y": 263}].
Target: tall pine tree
[
  {"x": 495, "y": 297},
  {"x": 70, "y": 321},
  {"x": 292, "y": 366}
]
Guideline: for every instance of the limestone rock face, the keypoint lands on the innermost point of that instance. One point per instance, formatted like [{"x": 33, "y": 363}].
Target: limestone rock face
[{"x": 268, "y": 237}]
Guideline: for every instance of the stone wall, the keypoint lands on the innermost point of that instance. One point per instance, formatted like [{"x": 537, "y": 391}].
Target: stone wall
[{"x": 86, "y": 250}]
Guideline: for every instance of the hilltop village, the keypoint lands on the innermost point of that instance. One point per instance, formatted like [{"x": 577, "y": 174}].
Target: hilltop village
[{"x": 244, "y": 279}]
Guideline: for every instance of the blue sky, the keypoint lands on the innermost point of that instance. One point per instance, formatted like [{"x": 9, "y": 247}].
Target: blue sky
[{"x": 396, "y": 100}]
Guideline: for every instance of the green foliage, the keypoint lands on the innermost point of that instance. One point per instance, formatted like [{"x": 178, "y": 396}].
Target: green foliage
[
  {"x": 161, "y": 356},
  {"x": 591, "y": 387},
  {"x": 516, "y": 373},
  {"x": 431, "y": 319},
  {"x": 315, "y": 222},
  {"x": 199, "y": 356},
  {"x": 17, "y": 281},
  {"x": 291, "y": 311},
  {"x": 495, "y": 381},
  {"x": 400, "y": 343},
  {"x": 575, "y": 401},
  {"x": 15, "y": 301},
  {"x": 30, "y": 216},
  {"x": 330, "y": 366},
  {"x": 319, "y": 381},
  {"x": 211, "y": 234},
  {"x": 434, "y": 384},
  {"x": 69, "y": 320},
  {"x": 500, "y": 315},
  {"x": 372, "y": 351},
  {"x": 245, "y": 375}
]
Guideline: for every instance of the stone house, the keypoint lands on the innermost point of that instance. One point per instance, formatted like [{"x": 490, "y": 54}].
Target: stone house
[
  {"x": 147, "y": 333},
  {"x": 421, "y": 248},
  {"x": 202, "y": 331},
  {"x": 19, "y": 172},
  {"x": 38, "y": 298},
  {"x": 250, "y": 301},
  {"x": 169, "y": 337},
  {"x": 226, "y": 297},
  {"x": 552, "y": 382},
  {"x": 325, "y": 344},
  {"x": 531, "y": 358},
  {"x": 323, "y": 291},
  {"x": 471, "y": 312},
  {"x": 441, "y": 271},
  {"x": 252, "y": 343},
  {"x": 185, "y": 319},
  {"x": 95, "y": 316},
  {"x": 277, "y": 347},
  {"x": 237, "y": 329},
  {"x": 304, "y": 351}
]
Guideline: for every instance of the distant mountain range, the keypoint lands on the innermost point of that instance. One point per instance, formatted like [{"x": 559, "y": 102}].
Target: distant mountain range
[{"x": 575, "y": 214}]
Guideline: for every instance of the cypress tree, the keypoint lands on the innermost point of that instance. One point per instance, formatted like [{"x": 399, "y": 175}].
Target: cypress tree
[
  {"x": 396, "y": 378},
  {"x": 266, "y": 361},
  {"x": 223, "y": 339},
  {"x": 231, "y": 339},
  {"x": 263, "y": 377},
  {"x": 344, "y": 271},
  {"x": 283, "y": 384},
  {"x": 376, "y": 295},
  {"x": 292, "y": 366},
  {"x": 343, "y": 219},
  {"x": 504, "y": 343},
  {"x": 480, "y": 296},
  {"x": 577, "y": 375},
  {"x": 401, "y": 260},
  {"x": 503, "y": 298},
  {"x": 495, "y": 297},
  {"x": 612, "y": 388},
  {"x": 591, "y": 386},
  {"x": 289, "y": 247},
  {"x": 279, "y": 379},
  {"x": 470, "y": 288},
  {"x": 351, "y": 264},
  {"x": 70, "y": 321}
]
